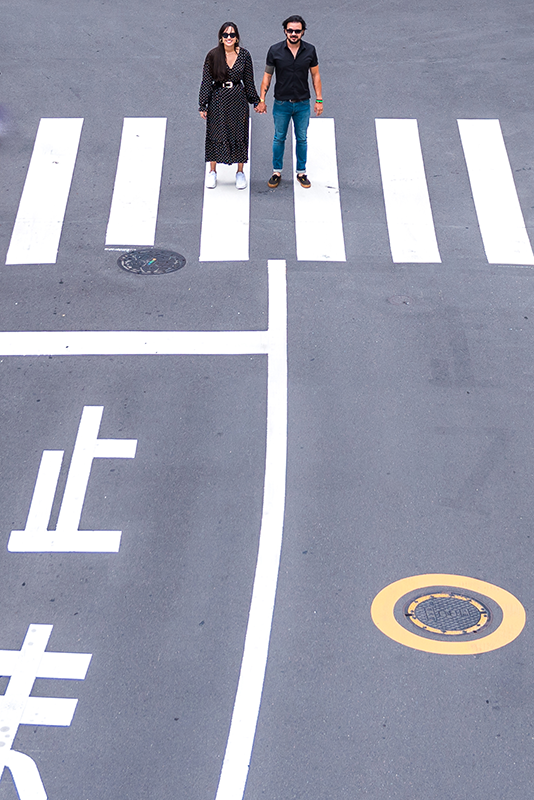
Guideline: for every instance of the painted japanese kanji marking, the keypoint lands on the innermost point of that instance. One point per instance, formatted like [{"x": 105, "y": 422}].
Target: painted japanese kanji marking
[
  {"x": 18, "y": 708},
  {"x": 67, "y": 538}
]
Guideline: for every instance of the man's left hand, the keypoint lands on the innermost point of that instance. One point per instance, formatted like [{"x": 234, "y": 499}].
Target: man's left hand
[{"x": 318, "y": 109}]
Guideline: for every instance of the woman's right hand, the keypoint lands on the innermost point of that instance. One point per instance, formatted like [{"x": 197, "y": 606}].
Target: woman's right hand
[{"x": 204, "y": 114}]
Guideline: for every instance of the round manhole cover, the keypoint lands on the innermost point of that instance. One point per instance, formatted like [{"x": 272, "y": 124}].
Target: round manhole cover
[
  {"x": 448, "y": 613},
  {"x": 151, "y": 261}
]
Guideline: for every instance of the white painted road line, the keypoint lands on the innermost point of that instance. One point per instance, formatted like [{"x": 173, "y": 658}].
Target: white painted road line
[
  {"x": 20, "y": 685},
  {"x": 17, "y": 707},
  {"x": 224, "y": 235},
  {"x": 248, "y": 697},
  {"x": 37, "y": 230},
  {"x": 412, "y": 235},
  {"x": 87, "y": 447},
  {"x": 318, "y": 220},
  {"x": 13, "y": 703},
  {"x": 499, "y": 214},
  {"x": 133, "y": 343},
  {"x": 67, "y": 538},
  {"x": 134, "y": 207},
  {"x": 25, "y": 776},
  {"x": 64, "y": 666},
  {"x": 49, "y": 711},
  {"x": 44, "y": 491}
]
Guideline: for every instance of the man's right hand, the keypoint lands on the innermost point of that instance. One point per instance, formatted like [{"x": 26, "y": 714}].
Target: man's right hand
[{"x": 261, "y": 108}]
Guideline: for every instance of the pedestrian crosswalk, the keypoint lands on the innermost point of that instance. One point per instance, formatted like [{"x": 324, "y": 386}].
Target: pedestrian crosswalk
[
  {"x": 318, "y": 226},
  {"x": 224, "y": 214}
]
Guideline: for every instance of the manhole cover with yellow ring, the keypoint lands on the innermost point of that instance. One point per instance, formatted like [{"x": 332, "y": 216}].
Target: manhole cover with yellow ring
[
  {"x": 441, "y": 605},
  {"x": 447, "y": 613}
]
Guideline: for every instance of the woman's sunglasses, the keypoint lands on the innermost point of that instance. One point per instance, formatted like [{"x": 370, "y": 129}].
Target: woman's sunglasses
[{"x": 229, "y": 35}]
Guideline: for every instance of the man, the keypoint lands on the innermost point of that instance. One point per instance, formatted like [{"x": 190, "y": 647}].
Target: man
[{"x": 292, "y": 60}]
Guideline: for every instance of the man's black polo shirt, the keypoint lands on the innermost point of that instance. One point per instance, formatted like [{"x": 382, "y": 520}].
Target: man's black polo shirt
[{"x": 291, "y": 73}]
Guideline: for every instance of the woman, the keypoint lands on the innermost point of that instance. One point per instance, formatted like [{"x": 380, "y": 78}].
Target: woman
[{"x": 226, "y": 89}]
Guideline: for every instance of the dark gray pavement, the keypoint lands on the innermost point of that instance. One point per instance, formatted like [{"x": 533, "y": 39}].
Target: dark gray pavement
[{"x": 410, "y": 426}]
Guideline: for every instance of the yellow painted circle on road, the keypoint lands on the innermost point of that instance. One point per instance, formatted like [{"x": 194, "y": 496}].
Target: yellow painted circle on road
[{"x": 513, "y": 615}]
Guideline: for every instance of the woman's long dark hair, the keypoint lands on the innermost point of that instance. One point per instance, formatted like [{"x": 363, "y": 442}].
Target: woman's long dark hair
[{"x": 216, "y": 58}]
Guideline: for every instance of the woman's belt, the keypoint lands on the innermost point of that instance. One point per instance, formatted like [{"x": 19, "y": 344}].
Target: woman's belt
[{"x": 226, "y": 84}]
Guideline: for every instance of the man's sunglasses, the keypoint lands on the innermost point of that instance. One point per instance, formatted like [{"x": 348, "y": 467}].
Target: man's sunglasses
[
  {"x": 292, "y": 31},
  {"x": 229, "y": 35}
]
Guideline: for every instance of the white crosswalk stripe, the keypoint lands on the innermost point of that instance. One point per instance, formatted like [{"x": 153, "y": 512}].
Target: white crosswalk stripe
[
  {"x": 225, "y": 217},
  {"x": 134, "y": 207},
  {"x": 499, "y": 214},
  {"x": 412, "y": 235},
  {"x": 224, "y": 234},
  {"x": 318, "y": 221},
  {"x": 37, "y": 230}
]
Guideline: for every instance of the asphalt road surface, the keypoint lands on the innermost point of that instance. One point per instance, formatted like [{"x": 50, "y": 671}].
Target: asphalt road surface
[{"x": 409, "y": 405}]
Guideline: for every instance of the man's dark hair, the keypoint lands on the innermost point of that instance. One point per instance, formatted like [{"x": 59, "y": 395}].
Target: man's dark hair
[{"x": 294, "y": 18}]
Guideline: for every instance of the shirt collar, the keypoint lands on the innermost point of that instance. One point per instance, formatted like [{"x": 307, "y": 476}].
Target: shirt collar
[{"x": 302, "y": 46}]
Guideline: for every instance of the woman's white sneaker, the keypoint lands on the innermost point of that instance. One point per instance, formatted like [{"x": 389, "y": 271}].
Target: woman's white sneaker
[
  {"x": 240, "y": 180},
  {"x": 211, "y": 180}
]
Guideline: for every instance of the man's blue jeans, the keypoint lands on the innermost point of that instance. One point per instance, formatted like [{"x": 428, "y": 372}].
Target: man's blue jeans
[{"x": 283, "y": 112}]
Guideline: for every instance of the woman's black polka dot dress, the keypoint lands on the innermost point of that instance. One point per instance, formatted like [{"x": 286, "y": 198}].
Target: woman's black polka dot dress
[{"x": 227, "y": 122}]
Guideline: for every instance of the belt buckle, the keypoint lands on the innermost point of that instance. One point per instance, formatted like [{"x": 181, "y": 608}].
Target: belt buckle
[{"x": 228, "y": 85}]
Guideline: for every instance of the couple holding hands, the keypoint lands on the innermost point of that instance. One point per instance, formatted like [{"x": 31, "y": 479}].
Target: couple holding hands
[{"x": 228, "y": 87}]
